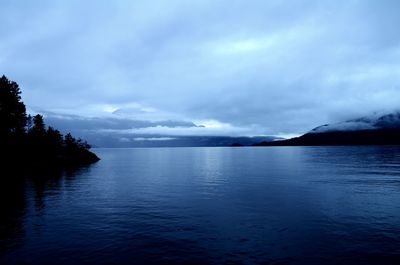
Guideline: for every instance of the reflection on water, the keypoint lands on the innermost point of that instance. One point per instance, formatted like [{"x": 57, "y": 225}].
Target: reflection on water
[
  {"x": 276, "y": 205},
  {"x": 18, "y": 191},
  {"x": 13, "y": 207}
]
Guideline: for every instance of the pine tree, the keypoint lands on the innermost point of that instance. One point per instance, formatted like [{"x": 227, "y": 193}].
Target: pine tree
[
  {"x": 38, "y": 129},
  {"x": 12, "y": 110}
]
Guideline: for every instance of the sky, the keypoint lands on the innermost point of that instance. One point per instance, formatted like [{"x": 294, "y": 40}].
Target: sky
[{"x": 202, "y": 67}]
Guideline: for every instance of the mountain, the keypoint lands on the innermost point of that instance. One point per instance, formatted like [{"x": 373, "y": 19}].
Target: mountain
[
  {"x": 128, "y": 140},
  {"x": 372, "y": 130}
]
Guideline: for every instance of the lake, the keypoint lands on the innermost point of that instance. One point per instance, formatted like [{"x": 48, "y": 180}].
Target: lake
[{"x": 248, "y": 205}]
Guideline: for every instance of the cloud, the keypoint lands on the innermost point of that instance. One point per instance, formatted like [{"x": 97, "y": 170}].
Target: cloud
[
  {"x": 258, "y": 67},
  {"x": 121, "y": 125},
  {"x": 154, "y": 139},
  {"x": 374, "y": 121},
  {"x": 73, "y": 122}
]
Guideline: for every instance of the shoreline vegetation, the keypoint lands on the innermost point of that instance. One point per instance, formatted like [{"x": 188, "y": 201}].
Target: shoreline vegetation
[{"x": 26, "y": 143}]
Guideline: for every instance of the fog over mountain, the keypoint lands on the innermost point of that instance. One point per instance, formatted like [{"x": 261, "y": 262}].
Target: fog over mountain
[
  {"x": 377, "y": 129},
  {"x": 203, "y": 68},
  {"x": 373, "y": 122}
]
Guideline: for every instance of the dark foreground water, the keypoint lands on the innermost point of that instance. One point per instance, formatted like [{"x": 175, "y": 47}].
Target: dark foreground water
[{"x": 274, "y": 205}]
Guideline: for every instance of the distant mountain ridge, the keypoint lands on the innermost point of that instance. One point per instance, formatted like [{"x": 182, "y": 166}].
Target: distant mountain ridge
[
  {"x": 372, "y": 130},
  {"x": 176, "y": 141}
]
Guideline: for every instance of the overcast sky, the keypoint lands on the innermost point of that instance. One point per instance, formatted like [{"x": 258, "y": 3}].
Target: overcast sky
[{"x": 234, "y": 67}]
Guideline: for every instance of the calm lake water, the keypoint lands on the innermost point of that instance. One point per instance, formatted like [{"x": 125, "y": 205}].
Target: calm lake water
[{"x": 274, "y": 205}]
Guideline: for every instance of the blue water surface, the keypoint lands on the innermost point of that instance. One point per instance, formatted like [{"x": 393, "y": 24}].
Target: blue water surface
[{"x": 249, "y": 205}]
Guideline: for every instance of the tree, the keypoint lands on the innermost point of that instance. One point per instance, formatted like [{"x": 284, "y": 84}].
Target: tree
[
  {"x": 12, "y": 109},
  {"x": 70, "y": 141},
  {"x": 54, "y": 139},
  {"x": 25, "y": 139},
  {"x": 54, "y": 136},
  {"x": 38, "y": 129}
]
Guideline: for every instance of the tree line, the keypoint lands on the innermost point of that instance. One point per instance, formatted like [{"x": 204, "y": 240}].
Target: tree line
[{"x": 26, "y": 139}]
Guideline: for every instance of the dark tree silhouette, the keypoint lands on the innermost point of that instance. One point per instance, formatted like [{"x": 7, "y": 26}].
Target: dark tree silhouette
[
  {"x": 12, "y": 110},
  {"x": 25, "y": 140},
  {"x": 54, "y": 137},
  {"x": 70, "y": 142},
  {"x": 38, "y": 129}
]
